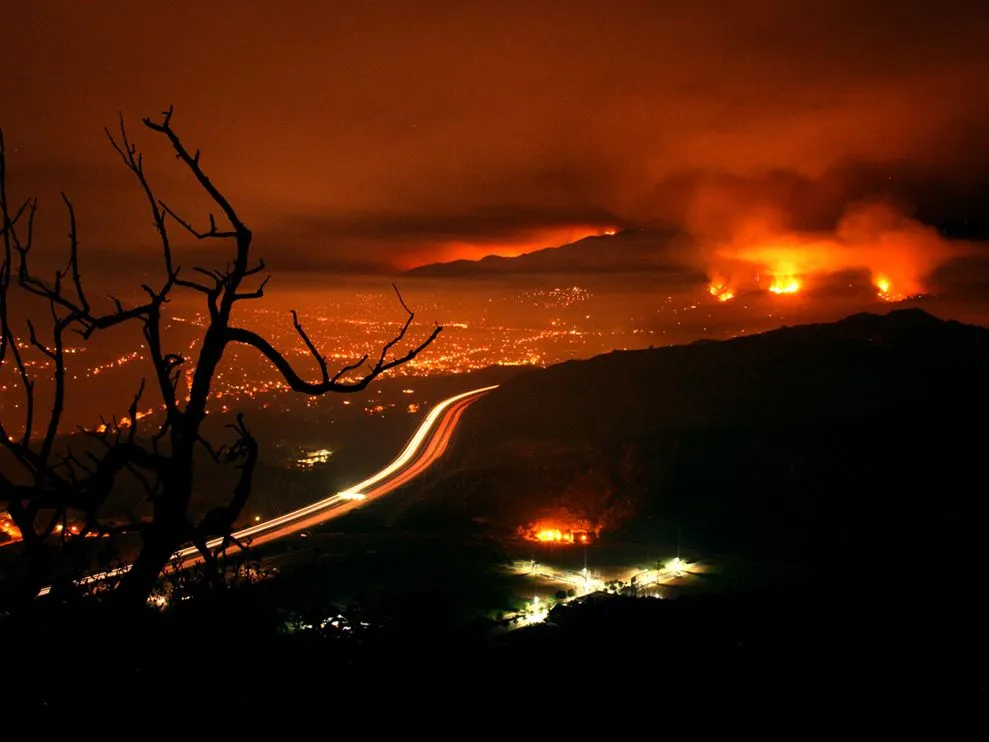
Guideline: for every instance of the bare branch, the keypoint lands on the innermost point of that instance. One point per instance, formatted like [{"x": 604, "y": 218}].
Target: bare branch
[
  {"x": 58, "y": 398},
  {"x": 163, "y": 363},
  {"x": 135, "y": 163},
  {"x": 350, "y": 367},
  {"x": 37, "y": 343},
  {"x": 165, "y": 127},
  {"x": 220, "y": 521},
  {"x": 74, "y": 256},
  {"x": 214, "y": 453},
  {"x": 194, "y": 285},
  {"x": 75, "y": 462},
  {"x": 28, "y": 385},
  {"x": 405, "y": 328},
  {"x": 133, "y": 412},
  {"x": 212, "y": 233},
  {"x": 320, "y": 359},
  {"x": 256, "y": 294},
  {"x": 167, "y": 476},
  {"x": 259, "y": 268},
  {"x": 216, "y": 276},
  {"x": 298, "y": 384}
]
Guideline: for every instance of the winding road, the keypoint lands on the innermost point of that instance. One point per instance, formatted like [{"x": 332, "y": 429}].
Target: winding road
[{"x": 426, "y": 446}]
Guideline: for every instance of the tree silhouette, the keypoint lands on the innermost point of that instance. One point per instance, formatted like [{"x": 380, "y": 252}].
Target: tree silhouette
[{"x": 49, "y": 485}]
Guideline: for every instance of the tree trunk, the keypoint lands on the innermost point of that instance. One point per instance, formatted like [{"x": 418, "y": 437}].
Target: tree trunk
[
  {"x": 162, "y": 538},
  {"x": 139, "y": 582}
]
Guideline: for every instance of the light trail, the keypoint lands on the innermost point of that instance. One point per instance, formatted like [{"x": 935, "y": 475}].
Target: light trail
[{"x": 424, "y": 448}]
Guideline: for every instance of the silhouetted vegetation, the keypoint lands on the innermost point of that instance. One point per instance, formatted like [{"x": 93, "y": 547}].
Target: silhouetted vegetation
[
  {"x": 916, "y": 636},
  {"x": 50, "y": 484},
  {"x": 871, "y": 494}
]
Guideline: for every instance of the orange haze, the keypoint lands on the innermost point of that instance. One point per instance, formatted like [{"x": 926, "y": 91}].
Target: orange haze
[
  {"x": 536, "y": 239},
  {"x": 896, "y": 251}
]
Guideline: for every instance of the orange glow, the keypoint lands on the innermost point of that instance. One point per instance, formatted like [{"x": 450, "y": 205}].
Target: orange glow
[
  {"x": 785, "y": 285},
  {"x": 885, "y": 289},
  {"x": 7, "y": 527},
  {"x": 721, "y": 291},
  {"x": 875, "y": 238},
  {"x": 535, "y": 240},
  {"x": 551, "y": 535},
  {"x": 125, "y": 421},
  {"x": 548, "y": 532}
]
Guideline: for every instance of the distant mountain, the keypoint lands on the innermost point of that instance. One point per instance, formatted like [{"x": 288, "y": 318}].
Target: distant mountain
[
  {"x": 634, "y": 250},
  {"x": 866, "y": 433}
]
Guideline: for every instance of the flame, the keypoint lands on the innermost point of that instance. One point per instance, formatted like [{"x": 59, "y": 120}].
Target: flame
[
  {"x": 872, "y": 239},
  {"x": 885, "y": 289},
  {"x": 549, "y": 534},
  {"x": 785, "y": 285},
  {"x": 720, "y": 291},
  {"x": 553, "y": 535}
]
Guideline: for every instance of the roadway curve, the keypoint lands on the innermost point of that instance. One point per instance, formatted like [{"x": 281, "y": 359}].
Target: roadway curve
[{"x": 424, "y": 449}]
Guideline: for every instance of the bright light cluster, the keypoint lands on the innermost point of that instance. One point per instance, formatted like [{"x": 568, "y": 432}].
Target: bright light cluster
[{"x": 313, "y": 458}]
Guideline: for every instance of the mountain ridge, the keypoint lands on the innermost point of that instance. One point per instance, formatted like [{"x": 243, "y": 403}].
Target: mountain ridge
[
  {"x": 796, "y": 441},
  {"x": 632, "y": 250}
]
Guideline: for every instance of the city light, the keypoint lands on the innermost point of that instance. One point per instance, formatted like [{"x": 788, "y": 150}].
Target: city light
[{"x": 313, "y": 458}]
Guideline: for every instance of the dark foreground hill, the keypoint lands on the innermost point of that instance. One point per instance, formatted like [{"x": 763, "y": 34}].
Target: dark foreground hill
[
  {"x": 866, "y": 434},
  {"x": 856, "y": 447}
]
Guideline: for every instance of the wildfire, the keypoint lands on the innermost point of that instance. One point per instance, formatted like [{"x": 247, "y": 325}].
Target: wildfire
[
  {"x": 549, "y": 534},
  {"x": 721, "y": 292},
  {"x": 885, "y": 289},
  {"x": 125, "y": 421},
  {"x": 785, "y": 285},
  {"x": 557, "y": 536}
]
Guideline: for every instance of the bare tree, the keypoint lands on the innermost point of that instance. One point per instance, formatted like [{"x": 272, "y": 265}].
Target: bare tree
[{"x": 53, "y": 483}]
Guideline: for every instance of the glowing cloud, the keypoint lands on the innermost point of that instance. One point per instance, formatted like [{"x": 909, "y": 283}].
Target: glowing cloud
[{"x": 899, "y": 253}]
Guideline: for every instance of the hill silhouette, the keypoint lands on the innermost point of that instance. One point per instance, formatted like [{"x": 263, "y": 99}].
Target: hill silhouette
[
  {"x": 629, "y": 251},
  {"x": 854, "y": 447},
  {"x": 802, "y": 441}
]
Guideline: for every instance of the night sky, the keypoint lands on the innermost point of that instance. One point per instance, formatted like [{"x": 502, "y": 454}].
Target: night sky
[{"x": 380, "y": 135}]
